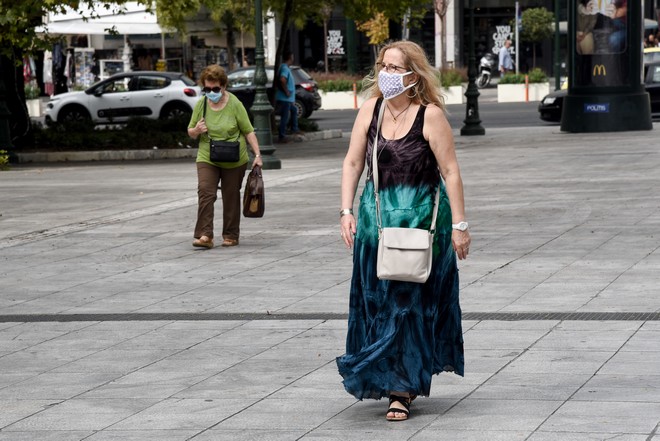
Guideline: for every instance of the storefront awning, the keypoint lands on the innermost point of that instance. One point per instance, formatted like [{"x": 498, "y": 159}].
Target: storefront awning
[{"x": 135, "y": 20}]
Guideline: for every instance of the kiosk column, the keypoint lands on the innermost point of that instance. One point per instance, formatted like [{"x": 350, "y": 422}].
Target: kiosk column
[{"x": 605, "y": 89}]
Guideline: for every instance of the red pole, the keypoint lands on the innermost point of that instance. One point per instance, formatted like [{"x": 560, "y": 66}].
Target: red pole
[
  {"x": 355, "y": 106},
  {"x": 526, "y": 88}
]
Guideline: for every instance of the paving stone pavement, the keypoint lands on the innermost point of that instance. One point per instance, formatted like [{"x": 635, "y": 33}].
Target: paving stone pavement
[{"x": 112, "y": 327}]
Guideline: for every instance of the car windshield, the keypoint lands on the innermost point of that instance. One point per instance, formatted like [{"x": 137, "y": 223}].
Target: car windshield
[
  {"x": 301, "y": 75},
  {"x": 245, "y": 77}
]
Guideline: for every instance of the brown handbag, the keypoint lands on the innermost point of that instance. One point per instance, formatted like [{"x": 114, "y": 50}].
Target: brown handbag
[{"x": 253, "y": 197}]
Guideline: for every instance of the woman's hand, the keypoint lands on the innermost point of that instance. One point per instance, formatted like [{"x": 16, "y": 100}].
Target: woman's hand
[
  {"x": 348, "y": 228},
  {"x": 257, "y": 161},
  {"x": 200, "y": 127},
  {"x": 611, "y": 11},
  {"x": 460, "y": 240},
  {"x": 592, "y": 7}
]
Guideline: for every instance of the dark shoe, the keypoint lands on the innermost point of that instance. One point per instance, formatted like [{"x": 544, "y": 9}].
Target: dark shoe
[
  {"x": 298, "y": 132},
  {"x": 230, "y": 242},
  {"x": 404, "y": 412},
  {"x": 282, "y": 141},
  {"x": 203, "y": 242}
]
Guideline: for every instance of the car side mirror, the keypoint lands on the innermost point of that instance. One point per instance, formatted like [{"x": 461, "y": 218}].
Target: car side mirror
[{"x": 98, "y": 92}]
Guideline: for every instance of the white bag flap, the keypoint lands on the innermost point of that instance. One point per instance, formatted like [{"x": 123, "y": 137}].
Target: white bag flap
[{"x": 406, "y": 238}]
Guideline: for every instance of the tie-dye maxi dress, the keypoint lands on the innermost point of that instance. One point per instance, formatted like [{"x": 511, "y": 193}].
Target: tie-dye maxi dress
[{"x": 401, "y": 333}]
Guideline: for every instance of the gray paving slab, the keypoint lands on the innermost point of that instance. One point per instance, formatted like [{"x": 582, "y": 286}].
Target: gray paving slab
[
  {"x": 45, "y": 435},
  {"x": 432, "y": 434},
  {"x": 561, "y": 223},
  {"x": 144, "y": 435}
]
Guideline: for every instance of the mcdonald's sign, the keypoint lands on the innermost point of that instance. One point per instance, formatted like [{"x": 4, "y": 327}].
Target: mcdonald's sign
[{"x": 599, "y": 70}]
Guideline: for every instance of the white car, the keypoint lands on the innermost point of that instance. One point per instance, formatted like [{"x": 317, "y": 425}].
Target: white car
[{"x": 122, "y": 96}]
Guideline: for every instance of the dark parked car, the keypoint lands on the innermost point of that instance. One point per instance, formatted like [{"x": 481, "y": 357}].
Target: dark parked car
[
  {"x": 551, "y": 105},
  {"x": 241, "y": 84}
]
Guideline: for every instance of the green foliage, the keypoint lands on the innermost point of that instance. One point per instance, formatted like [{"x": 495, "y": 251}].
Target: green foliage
[
  {"x": 138, "y": 133},
  {"x": 452, "y": 77},
  {"x": 376, "y": 28},
  {"x": 32, "y": 91},
  {"x": 4, "y": 160},
  {"x": 512, "y": 78},
  {"x": 536, "y": 75},
  {"x": 340, "y": 85},
  {"x": 364, "y": 10},
  {"x": 537, "y": 25},
  {"x": 338, "y": 82},
  {"x": 19, "y": 19}
]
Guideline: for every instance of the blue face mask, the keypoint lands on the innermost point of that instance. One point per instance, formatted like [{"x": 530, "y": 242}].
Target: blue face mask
[{"x": 214, "y": 96}]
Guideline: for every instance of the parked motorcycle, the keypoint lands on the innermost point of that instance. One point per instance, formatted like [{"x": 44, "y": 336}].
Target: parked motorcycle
[{"x": 487, "y": 65}]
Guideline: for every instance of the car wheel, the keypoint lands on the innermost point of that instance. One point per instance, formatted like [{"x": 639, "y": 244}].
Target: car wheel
[
  {"x": 300, "y": 108},
  {"x": 175, "y": 111},
  {"x": 73, "y": 113}
]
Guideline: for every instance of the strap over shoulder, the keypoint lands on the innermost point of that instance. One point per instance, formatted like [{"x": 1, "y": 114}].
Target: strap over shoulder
[{"x": 374, "y": 172}]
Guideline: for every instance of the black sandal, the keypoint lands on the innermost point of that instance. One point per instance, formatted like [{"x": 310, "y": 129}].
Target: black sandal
[{"x": 406, "y": 403}]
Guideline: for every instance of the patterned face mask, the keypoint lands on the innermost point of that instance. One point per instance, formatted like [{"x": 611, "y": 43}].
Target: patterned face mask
[{"x": 391, "y": 84}]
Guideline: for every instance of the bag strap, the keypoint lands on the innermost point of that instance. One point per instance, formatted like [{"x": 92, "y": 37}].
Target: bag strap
[
  {"x": 374, "y": 174},
  {"x": 204, "y": 116}
]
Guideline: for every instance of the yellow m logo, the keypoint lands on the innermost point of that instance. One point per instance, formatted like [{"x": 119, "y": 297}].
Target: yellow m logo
[{"x": 599, "y": 69}]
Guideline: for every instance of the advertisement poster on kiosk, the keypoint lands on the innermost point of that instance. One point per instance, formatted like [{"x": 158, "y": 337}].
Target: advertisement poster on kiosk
[{"x": 601, "y": 43}]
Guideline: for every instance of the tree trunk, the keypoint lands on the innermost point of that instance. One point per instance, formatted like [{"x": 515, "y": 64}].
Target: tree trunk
[
  {"x": 230, "y": 34},
  {"x": 443, "y": 42},
  {"x": 243, "y": 57},
  {"x": 12, "y": 76},
  {"x": 325, "y": 44},
  {"x": 284, "y": 37}
]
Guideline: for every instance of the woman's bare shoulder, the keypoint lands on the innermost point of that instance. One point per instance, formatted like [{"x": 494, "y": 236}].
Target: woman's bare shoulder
[
  {"x": 369, "y": 105},
  {"x": 434, "y": 111}
]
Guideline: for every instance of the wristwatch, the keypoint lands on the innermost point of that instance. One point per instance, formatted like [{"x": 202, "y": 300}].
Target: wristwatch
[{"x": 461, "y": 226}]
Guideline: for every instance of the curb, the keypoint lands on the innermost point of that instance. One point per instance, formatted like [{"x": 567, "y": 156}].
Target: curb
[{"x": 138, "y": 155}]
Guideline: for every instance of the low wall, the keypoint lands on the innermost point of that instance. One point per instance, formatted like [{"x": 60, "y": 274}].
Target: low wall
[
  {"x": 340, "y": 100},
  {"x": 508, "y": 93}
]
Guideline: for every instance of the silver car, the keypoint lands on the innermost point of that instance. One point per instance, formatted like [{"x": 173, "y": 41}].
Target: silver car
[{"x": 122, "y": 96}]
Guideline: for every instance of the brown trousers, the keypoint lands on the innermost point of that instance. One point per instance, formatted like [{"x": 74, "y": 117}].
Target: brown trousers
[{"x": 208, "y": 178}]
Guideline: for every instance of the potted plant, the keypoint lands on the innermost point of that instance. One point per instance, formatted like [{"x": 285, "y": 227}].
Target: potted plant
[
  {"x": 513, "y": 87},
  {"x": 32, "y": 101},
  {"x": 4, "y": 160},
  {"x": 336, "y": 90},
  {"x": 452, "y": 81}
]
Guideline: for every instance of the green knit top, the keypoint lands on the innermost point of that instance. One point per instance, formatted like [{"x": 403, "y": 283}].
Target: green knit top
[{"x": 231, "y": 123}]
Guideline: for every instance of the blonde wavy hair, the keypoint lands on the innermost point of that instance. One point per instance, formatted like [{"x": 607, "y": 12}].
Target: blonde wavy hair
[{"x": 427, "y": 89}]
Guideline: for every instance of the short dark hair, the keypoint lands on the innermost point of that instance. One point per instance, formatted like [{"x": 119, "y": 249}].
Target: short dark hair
[{"x": 287, "y": 54}]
